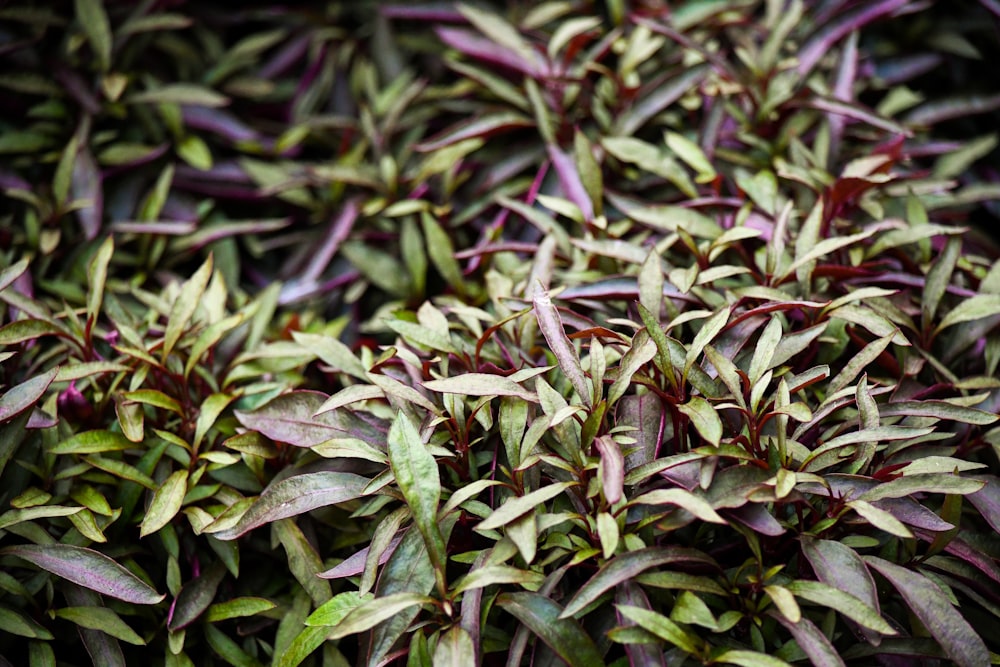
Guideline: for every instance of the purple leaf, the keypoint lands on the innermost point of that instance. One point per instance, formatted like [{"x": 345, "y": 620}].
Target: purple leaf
[
  {"x": 840, "y": 566},
  {"x": 611, "y": 468},
  {"x": 757, "y": 518},
  {"x": 481, "y": 48},
  {"x": 296, "y": 495},
  {"x": 551, "y": 327},
  {"x": 292, "y": 418},
  {"x": 811, "y": 640},
  {"x": 823, "y": 41},
  {"x": 195, "y": 597},
  {"x": 570, "y": 181},
  {"x": 87, "y": 185},
  {"x": 929, "y": 604},
  {"x": 337, "y": 232},
  {"x": 226, "y": 125},
  {"x": 631, "y": 594},
  {"x": 354, "y": 564},
  {"x": 88, "y": 568},
  {"x": 987, "y": 501},
  {"x": 625, "y": 567},
  {"x": 476, "y": 128},
  {"x": 656, "y": 96},
  {"x": 23, "y": 397}
]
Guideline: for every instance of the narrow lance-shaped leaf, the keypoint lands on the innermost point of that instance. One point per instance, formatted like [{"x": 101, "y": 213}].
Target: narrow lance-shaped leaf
[
  {"x": 625, "y": 567},
  {"x": 709, "y": 330},
  {"x": 480, "y": 384},
  {"x": 296, "y": 495},
  {"x": 185, "y": 306},
  {"x": 975, "y": 308},
  {"x": 705, "y": 419},
  {"x": 88, "y": 568},
  {"x": 551, "y": 327},
  {"x": 563, "y": 635},
  {"x": 23, "y": 397},
  {"x": 517, "y": 507},
  {"x": 419, "y": 480},
  {"x": 938, "y": 279},
  {"x": 929, "y": 603},
  {"x": 165, "y": 504}
]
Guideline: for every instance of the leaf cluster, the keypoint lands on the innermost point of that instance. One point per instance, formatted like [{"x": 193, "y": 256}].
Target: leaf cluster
[{"x": 577, "y": 333}]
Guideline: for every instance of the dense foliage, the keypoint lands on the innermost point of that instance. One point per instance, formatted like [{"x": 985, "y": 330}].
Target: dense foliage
[{"x": 534, "y": 333}]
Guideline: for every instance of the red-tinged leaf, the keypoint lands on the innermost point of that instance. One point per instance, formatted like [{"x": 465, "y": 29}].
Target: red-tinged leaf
[
  {"x": 656, "y": 96},
  {"x": 987, "y": 501},
  {"x": 296, "y": 495},
  {"x": 481, "y": 384},
  {"x": 811, "y": 640},
  {"x": 481, "y": 48},
  {"x": 857, "y": 112},
  {"x": 354, "y": 564},
  {"x": 293, "y": 418},
  {"x": 477, "y": 128},
  {"x": 546, "y": 619},
  {"x": 570, "y": 180},
  {"x": 625, "y": 567},
  {"x": 824, "y": 40},
  {"x": 929, "y": 604},
  {"x": 630, "y": 594},
  {"x": 840, "y": 567},
  {"x": 950, "y": 108},
  {"x": 195, "y": 597},
  {"x": 88, "y": 568},
  {"x": 551, "y": 326},
  {"x": 86, "y": 186},
  {"x": 22, "y": 397},
  {"x": 611, "y": 469}
]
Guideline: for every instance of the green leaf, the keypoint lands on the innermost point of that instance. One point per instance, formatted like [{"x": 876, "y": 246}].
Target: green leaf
[
  {"x": 419, "y": 481},
  {"x": 827, "y": 247},
  {"x": 303, "y": 561},
  {"x": 208, "y": 413},
  {"x": 493, "y": 575},
  {"x": 627, "y": 566},
  {"x": 938, "y": 279},
  {"x": 334, "y": 610},
  {"x": 296, "y": 495},
  {"x": 513, "y": 508},
  {"x": 94, "y": 20},
  {"x": 333, "y": 353},
  {"x": 860, "y": 361},
  {"x": 227, "y": 649},
  {"x": 662, "y": 627},
  {"x": 681, "y": 498},
  {"x": 880, "y": 518},
  {"x": 165, "y": 504},
  {"x": 238, "y": 608},
  {"x": 97, "y": 275},
  {"x": 929, "y": 603},
  {"x": 442, "y": 253},
  {"x": 546, "y": 619},
  {"x": 480, "y": 384},
  {"x": 15, "y": 623},
  {"x": 30, "y": 329},
  {"x": 974, "y": 308},
  {"x": 88, "y": 568},
  {"x": 749, "y": 659},
  {"x": 184, "y": 306},
  {"x": 938, "y": 410},
  {"x": 847, "y": 604},
  {"x": 372, "y": 612},
  {"x": 103, "y": 619},
  {"x": 908, "y": 485},
  {"x": 180, "y": 93},
  {"x": 93, "y": 442},
  {"x": 642, "y": 350},
  {"x": 455, "y": 649},
  {"x": 16, "y": 516},
  {"x": 418, "y": 334},
  {"x": 709, "y": 330},
  {"x": 705, "y": 419}
]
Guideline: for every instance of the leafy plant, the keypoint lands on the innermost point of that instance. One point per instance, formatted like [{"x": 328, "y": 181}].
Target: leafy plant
[{"x": 608, "y": 335}]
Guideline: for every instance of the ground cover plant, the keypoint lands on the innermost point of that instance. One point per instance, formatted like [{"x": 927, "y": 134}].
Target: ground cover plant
[{"x": 586, "y": 333}]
